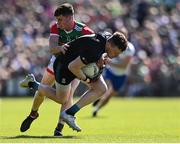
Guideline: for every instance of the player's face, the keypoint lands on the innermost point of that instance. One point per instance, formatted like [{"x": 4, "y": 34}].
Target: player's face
[
  {"x": 112, "y": 50},
  {"x": 64, "y": 22}
]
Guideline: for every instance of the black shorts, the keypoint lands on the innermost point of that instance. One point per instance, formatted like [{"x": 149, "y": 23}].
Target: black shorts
[{"x": 62, "y": 74}]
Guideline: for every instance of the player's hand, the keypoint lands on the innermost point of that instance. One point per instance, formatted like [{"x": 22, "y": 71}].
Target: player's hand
[
  {"x": 89, "y": 80},
  {"x": 101, "y": 63},
  {"x": 59, "y": 49},
  {"x": 64, "y": 48}
]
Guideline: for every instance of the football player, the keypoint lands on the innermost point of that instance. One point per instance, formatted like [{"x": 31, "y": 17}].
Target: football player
[{"x": 64, "y": 30}]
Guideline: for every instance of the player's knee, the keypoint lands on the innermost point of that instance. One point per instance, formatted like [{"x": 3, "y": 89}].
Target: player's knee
[
  {"x": 102, "y": 89},
  {"x": 41, "y": 91},
  {"x": 38, "y": 94},
  {"x": 64, "y": 100}
]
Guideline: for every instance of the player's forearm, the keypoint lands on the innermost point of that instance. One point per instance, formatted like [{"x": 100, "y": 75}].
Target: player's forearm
[
  {"x": 54, "y": 48},
  {"x": 123, "y": 63},
  {"x": 77, "y": 72}
]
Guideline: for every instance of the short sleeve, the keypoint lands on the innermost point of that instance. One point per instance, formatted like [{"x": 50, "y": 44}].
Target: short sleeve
[
  {"x": 130, "y": 51},
  {"x": 54, "y": 29},
  {"x": 86, "y": 31}
]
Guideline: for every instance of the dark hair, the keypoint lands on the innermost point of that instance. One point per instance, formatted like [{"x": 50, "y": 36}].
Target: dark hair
[
  {"x": 64, "y": 9},
  {"x": 119, "y": 40}
]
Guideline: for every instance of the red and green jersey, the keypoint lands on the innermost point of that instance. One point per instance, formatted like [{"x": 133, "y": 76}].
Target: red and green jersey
[{"x": 67, "y": 36}]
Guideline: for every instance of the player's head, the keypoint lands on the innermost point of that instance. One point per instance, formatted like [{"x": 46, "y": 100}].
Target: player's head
[
  {"x": 65, "y": 16},
  {"x": 116, "y": 44}
]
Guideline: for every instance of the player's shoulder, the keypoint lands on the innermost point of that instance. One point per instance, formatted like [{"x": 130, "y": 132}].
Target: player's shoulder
[
  {"x": 130, "y": 49},
  {"x": 54, "y": 28},
  {"x": 79, "y": 26},
  {"x": 53, "y": 24},
  {"x": 85, "y": 38}
]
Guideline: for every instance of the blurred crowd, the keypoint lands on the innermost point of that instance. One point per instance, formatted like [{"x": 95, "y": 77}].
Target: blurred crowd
[{"x": 153, "y": 25}]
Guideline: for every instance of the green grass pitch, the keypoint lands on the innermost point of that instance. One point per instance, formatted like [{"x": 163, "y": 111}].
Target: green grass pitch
[{"x": 123, "y": 120}]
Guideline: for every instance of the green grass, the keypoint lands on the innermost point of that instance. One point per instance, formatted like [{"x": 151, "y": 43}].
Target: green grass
[{"x": 123, "y": 120}]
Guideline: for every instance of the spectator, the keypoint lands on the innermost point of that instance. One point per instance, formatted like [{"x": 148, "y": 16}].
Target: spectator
[{"x": 155, "y": 33}]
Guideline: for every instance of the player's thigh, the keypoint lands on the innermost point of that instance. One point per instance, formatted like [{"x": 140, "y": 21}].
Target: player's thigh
[
  {"x": 62, "y": 92},
  {"x": 48, "y": 78},
  {"x": 110, "y": 92},
  {"x": 110, "y": 86}
]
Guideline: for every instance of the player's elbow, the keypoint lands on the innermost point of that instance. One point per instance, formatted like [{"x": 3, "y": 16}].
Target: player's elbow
[
  {"x": 103, "y": 89},
  {"x": 71, "y": 67}
]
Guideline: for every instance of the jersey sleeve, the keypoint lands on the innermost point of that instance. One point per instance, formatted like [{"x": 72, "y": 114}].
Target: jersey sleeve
[
  {"x": 54, "y": 29},
  {"x": 130, "y": 51},
  {"x": 86, "y": 31}
]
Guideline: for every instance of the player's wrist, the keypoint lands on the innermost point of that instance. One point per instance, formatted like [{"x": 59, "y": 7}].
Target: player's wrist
[{"x": 87, "y": 80}]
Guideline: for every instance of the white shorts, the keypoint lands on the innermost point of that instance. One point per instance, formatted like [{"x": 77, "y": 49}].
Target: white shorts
[{"x": 50, "y": 65}]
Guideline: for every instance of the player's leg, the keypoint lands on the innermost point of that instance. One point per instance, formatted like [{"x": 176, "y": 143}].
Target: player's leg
[
  {"x": 60, "y": 125},
  {"x": 48, "y": 79},
  {"x": 53, "y": 94},
  {"x": 107, "y": 96},
  {"x": 104, "y": 99},
  {"x": 114, "y": 83},
  {"x": 63, "y": 83},
  {"x": 65, "y": 77},
  {"x": 106, "y": 77},
  {"x": 98, "y": 88},
  {"x": 38, "y": 99}
]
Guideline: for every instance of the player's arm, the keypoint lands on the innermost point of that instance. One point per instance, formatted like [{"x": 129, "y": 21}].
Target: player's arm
[
  {"x": 123, "y": 63},
  {"x": 101, "y": 63},
  {"x": 87, "y": 31},
  {"x": 76, "y": 68},
  {"x": 54, "y": 47},
  {"x": 126, "y": 59}
]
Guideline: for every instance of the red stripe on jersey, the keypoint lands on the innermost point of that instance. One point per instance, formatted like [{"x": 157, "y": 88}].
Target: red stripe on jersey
[
  {"x": 49, "y": 71},
  {"x": 86, "y": 30},
  {"x": 54, "y": 29}
]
